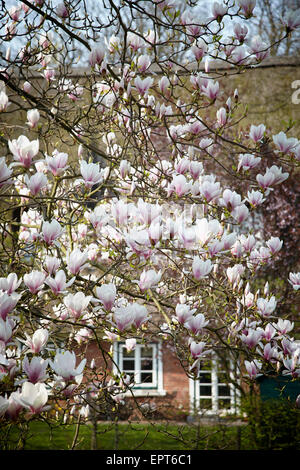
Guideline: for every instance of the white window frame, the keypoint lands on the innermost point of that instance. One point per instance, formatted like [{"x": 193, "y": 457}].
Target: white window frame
[
  {"x": 154, "y": 388},
  {"x": 195, "y": 397}
]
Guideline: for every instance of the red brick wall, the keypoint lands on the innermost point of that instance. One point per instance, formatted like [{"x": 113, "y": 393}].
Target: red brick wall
[
  {"x": 175, "y": 381},
  {"x": 174, "y": 405}
]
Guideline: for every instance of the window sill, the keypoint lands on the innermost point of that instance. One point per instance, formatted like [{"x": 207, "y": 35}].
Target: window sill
[{"x": 145, "y": 393}]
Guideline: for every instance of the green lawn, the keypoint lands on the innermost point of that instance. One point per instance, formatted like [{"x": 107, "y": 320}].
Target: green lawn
[
  {"x": 125, "y": 436},
  {"x": 38, "y": 435}
]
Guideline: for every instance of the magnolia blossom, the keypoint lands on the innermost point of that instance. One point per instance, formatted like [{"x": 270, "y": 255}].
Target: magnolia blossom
[
  {"x": 143, "y": 63},
  {"x": 291, "y": 19},
  {"x": 199, "y": 48},
  {"x": 270, "y": 353},
  {"x": 97, "y": 55},
  {"x": 107, "y": 294},
  {"x": 5, "y": 173},
  {"x": 7, "y": 303},
  {"x": 211, "y": 90},
  {"x": 91, "y": 173},
  {"x": 253, "y": 368},
  {"x": 62, "y": 11},
  {"x": 33, "y": 117},
  {"x": 155, "y": 232},
  {"x": 266, "y": 180},
  {"x": 257, "y": 132},
  {"x": 279, "y": 176},
  {"x": 179, "y": 185},
  {"x": 266, "y": 307},
  {"x": 197, "y": 349},
  {"x": 133, "y": 314},
  {"x": 222, "y": 116},
  {"x": 218, "y": 10},
  {"x": 240, "y": 31},
  {"x": 124, "y": 168},
  {"x": 148, "y": 212},
  {"x": 10, "y": 283},
  {"x": 288, "y": 345},
  {"x": 33, "y": 396},
  {"x": 36, "y": 182},
  {"x": 134, "y": 41},
  {"x": 35, "y": 369},
  {"x": 248, "y": 161},
  {"x": 77, "y": 261},
  {"x": 184, "y": 313},
  {"x": 269, "y": 332},
  {"x": 255, "y": 198},
  {"x": 57, "y": 163},
  {"x": 240, "y": 56},
  {"x": 234, "y": 273},
  {"x": 27, "y": 87},
  {"x": 143, "y": 85},
  {"x": 274, "y": 244},
  {"x": 38, "y": 341},
  {"x": 251, "y": 338},
  {"x": 123, "y": 317},
  {"x": 196, "y": 323},
  {"x": 149, "y": 279},
  {"x": 6, "y": 330},
  {"x": 51, "y": 264},
  {"x": 139, "y": 242},
  {"x": 59, "y": 284},
  {"x": 230, "y": 199},
  {"x": 228, "y": 240},
  {"x": 283, "y": 326},
  {"x": 210, "y": 190},
  {"x": 163, "y": 85},
  {"x": 23, "y": 150},
  {"x": 207, "y": 229},
  {"x": 77, "y": 303},
  {"x": 64, "y": 365},
  {"x": 195, "y": 169},
  {"x": 49, "y": 74},
  {"x": 294, "y": 280},
  {"x": 14, "y": 407},
  {"x": 283, "y": 143},
  {"x": 51, "y": 231},
  {"x": 187, "y": 236},
  {"x": 240, "y": 213},
  {"x": 140, "y": 314},
  {"x": 201, "y": 268},
  {"x": 247, "y": 7},
  {"x": 248, "y": 243},
  {"x": 4, "y": 103},
  {"x": 34, "y": 281},
  {"x": 259, "y": 48}
]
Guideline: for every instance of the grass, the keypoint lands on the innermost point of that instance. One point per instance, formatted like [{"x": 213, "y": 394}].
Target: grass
[{"x": 123, "y": 436}]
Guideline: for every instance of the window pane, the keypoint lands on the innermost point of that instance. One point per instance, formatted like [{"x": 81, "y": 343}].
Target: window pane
[
  {"x": 128, "y": 364},
  {"x": 128, "y": 354},
  {"x": 222, "y": 378},
  {"x": 224, "y": 404},
  {"x": 146, "y": 377},
  {"x": 146, "y": 364},
  {"x": 205, "y": 378},
  {"x": 146, "y": 352},
  {"x": 131, "y": 375},
  {"x": 224, "y": 390},
  {"x": 205, "y": 365},
  {"x": 205, "y": 390},
  {"x": 205, "y": 404}
]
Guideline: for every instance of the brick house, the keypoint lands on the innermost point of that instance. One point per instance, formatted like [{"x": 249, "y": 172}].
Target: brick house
[{"x": 161, "y": 383}]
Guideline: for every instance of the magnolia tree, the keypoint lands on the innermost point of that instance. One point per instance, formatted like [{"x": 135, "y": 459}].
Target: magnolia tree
[{"x": 130, "y": 200}]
